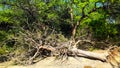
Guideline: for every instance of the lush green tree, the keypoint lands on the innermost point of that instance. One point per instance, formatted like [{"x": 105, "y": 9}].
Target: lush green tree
[
  {"x": 68, "y": 14},
  {"x": 80, "y": 11}
]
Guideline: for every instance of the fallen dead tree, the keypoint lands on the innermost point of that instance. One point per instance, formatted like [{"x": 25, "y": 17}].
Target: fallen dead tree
[
  {"x": 69, "y": 48},
  {"x": 65, "y": 49}
]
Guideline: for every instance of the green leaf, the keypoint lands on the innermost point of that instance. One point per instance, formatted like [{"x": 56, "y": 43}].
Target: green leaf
[
  {"x": 76, "y": 1},
  {"x": 91, "y": 0}
]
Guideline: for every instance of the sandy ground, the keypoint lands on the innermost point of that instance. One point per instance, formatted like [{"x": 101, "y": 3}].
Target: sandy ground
[{"x": 50, "y": 62}]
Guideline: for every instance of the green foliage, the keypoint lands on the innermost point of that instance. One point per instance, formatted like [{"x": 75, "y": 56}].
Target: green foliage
[
  {"x": 5, "y": 15},
  {"x": 3, "y": 50},
  {"x": 2, "y": 35},
  {"x": 6, "y": 42},
  {"x": 6, "y": 49},
  {"x": 102, "y": 29}
]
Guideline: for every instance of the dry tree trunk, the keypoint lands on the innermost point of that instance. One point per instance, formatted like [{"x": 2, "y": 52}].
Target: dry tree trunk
[
  {"x": 91, "y": 55},
  {"x": 80, "y": 53},
  {"x": 110, "y": 56}
]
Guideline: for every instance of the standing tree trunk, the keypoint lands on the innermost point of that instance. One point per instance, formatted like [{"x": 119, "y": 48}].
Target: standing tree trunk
[
  {"x": 74, "y": 29},
  {"x": 74, "y": 25}
]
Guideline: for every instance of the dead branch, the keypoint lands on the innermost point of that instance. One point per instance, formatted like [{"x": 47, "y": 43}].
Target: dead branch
[{"x": 79, "y": 41}]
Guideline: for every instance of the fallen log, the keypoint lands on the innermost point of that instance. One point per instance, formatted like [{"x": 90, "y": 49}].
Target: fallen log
[
  {"x": 111, "y": 56},
  {"x": 69, "y": 48},
  {"x": 78, "y": 52},
  {"x": 92, "y": 55}
]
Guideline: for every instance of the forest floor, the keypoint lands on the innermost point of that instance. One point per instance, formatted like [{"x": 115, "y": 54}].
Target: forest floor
[{"x": 71, "y": 62}]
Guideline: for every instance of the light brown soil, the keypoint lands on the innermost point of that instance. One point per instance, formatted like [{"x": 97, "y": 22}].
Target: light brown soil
[{"x": 50, "y": 62}]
